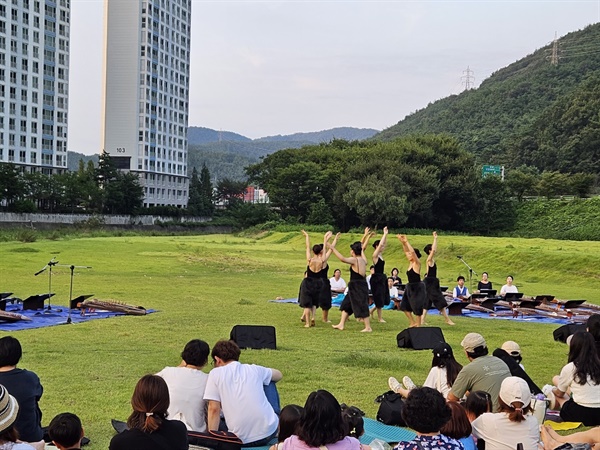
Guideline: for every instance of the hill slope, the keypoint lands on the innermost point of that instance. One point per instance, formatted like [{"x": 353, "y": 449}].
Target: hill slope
[{"x": 492, "y": 119}]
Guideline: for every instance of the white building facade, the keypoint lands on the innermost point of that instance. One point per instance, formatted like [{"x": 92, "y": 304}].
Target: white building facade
[
  {"x": 146, "y": 98},
  {"x": 34, "y": 77}
]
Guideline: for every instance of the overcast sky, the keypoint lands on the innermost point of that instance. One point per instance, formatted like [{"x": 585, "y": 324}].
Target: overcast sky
[{"x": 262, "y": 68}]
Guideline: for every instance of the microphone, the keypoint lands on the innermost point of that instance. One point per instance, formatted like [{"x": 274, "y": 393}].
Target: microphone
[{"x": 459, "y": 256}]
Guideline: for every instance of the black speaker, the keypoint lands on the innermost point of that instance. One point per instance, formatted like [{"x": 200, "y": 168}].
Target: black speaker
[
  {"x": 420, "y": 338},
  {"x": 254, "y": 336},
  {"x": 561, "y": 334}
]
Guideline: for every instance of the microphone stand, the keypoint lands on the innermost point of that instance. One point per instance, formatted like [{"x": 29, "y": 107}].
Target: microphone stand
[
  {"x": 471, "y": 272},
  {"x": 48, "y": 266},
  {"x": 72, "y": 267}
]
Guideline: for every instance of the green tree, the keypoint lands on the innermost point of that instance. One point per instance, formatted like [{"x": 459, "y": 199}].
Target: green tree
[
  {"x": 12, "y": 184},
  {"x": 494, "y": 206},
  {"x": 581, "y": 184},
  {"x": 553, "y": 183},
  {"x": 230, "y": 191},
  {"x": 522, "y": 181}
]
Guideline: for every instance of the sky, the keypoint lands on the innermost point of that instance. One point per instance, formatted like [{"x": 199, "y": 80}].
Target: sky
[{"x": 262, "y": 68}]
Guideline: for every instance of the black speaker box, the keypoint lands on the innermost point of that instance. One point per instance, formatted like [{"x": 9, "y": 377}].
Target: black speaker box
[
  {"x": 561, "y": 334},
  {"x": 254, "y": 336},
  {"x": 420, "y": 338}
]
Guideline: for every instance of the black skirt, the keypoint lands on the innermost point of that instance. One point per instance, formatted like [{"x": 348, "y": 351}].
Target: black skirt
[
  {"x": 380, "y": 290},
  {"x": 414, "y": 298},
  {"x": 435, "y": 298},
  {"x": 356, "y": 300},
  {"x": 310, "y": 291}
]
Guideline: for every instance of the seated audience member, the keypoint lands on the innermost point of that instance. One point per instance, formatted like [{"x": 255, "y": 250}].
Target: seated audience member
[
  {"x": 338, "y": 285},
  {"x": 581, "y": 440},
  {"x": 484, "y": 283},
  {"x": 149, "y": 428},
  {"x": 593, "y": 326},
  {"x": 459, "y": 426},
  {"x": 353, "y": 417},
  {"x": 426, "y": 412},
  {"x": 461, "y": 292},
  {"x": 321, "y": 425},
  {"x": 510, "y": 353},
  {"x": 66, "y": 431},
  {"x": 288, "y": 421},
  {"x": 371, "y": 273},
  {"x": 483, "y": 373},
  {"x": 477, "y": 403},
  {"x": 237, "y": 390},
  {"x": 509, "y": 287},
  {"x": 186, "y": 384},
  {"x": 394, "y": 276},
  {"x": 394, "y": 295},
  {"x": 581, "y": 376},
  {"x": 512, "y": 424},
  {"x": 23, "y": 385},
  {"x": 444, "y": 370},
  {"x": 9, "y": 436}
]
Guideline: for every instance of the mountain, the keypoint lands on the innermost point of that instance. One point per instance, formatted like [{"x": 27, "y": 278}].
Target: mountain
[
  {"x": 74, "y": 157},
  {"x": 201, "y": 135},
  {"x": 316, "y": 137},
  {"x": 511, "y": 113}
]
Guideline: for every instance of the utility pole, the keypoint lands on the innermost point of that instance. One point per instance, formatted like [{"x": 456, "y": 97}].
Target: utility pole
[
  {"x": 468, "y": 79},
  {"x": 554, "y": 57}
]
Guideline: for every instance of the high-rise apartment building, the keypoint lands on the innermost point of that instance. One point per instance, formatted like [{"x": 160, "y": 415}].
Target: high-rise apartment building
[
  {"x": 34, "y": 76},
  {"x": 147, "y": 73}
]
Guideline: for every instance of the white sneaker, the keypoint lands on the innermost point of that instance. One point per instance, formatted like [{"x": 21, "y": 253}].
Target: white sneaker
[
  {"x": 550, "y": 397},
  {"x": 408, "y": 383},
  {"x": 394, "y": 384}
]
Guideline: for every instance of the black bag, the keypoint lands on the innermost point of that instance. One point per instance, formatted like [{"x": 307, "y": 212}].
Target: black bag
[
  {"x": 390, "y": 409},
  {"x": 217, "y": 440}
]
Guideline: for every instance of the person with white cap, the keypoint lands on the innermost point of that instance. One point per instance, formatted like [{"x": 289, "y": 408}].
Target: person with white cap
[
  {"x": 483, "y": 373},
  {"x": 510, "y": 353},
  {"x": 9, "y": 436},
  {"x": 513, "y": 424}
]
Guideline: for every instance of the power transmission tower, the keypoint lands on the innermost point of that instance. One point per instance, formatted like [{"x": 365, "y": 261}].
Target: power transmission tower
[
  {"x": 468, "y": 79},
  {"x": 554, "y": 57}
]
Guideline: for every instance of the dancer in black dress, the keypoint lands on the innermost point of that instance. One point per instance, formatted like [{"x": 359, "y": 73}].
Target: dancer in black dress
[
  {"x": 325, "y": 295},
  {"x": 357, "y": 300},
  {"x": 414, "y": 298},
  {"x": 312, "y": 284},
  {"x": 435, "y": 297},
  {"x": 379, "y": 285}
]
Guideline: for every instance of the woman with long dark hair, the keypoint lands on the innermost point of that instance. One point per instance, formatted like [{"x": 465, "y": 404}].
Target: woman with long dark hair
[
  {"x": 357, "y": 300},
  {"x": 444, "y": 370},
  {"x": 321, "y": 424},
  {"x": 435, "y": 298},
  {"x": 379, "y": 285},
  {"x": 582, "y": 377},
  {"x": 149, "y": 428},
  {"x": 311, "y": 288},
  {"x": 414, "y": 298}
]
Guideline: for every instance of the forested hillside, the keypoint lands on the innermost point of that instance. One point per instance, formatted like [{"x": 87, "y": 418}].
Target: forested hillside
[{"x": 531, "y": 112}]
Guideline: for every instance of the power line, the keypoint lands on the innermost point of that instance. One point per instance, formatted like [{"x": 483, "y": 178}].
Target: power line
[{"x": 468, "y": 79}]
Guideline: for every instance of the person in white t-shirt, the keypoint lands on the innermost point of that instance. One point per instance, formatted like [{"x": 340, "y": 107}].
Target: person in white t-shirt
[
  {"x": 186, "y": 384},
  {"x": 509, "y": 287},
  {"x": 393, "y": 290},
  {"x": 238, "y": 391},
  {"x": 338, "y": 285}
]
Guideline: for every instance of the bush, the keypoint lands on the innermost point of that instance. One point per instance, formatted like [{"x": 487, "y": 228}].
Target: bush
[{"x": 26, "y": 235}]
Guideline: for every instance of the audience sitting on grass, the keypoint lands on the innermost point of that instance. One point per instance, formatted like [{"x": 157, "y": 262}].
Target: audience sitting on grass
[
  {"x": 426, "y": 412},
  {"x": 444, "y": 370},
  {"x": 353, "y": 417},
  {"x": 288, "y": 421},
  {"x": 149, "y": 428},
  {"x": 459, "y": 426},
  {"x": 23, "y": 385},
  {"x": 321, "y": 425},
  {"x": 581, "y": 377},
  {"x": 593, "y": 326},
  {"x": 66, "y": 432},
  {"x": 483, "y": 373},
  {"x": 581, "y": 440},
  {"x": 477, "y": 403},
  {"x": 9, "y": 436},
  {"x": 186, "y": 384},
  {"x": 510, "y": 353},
  {"x": 513, "y": 424},
  {"x": 246, "y": 395}
]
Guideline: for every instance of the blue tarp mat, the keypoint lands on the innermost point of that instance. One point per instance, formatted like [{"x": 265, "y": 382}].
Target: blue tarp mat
[{"x": 57, "y": 315}]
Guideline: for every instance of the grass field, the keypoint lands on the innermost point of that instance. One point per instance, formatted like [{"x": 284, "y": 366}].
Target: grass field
[{"x": 203, "y": 285}]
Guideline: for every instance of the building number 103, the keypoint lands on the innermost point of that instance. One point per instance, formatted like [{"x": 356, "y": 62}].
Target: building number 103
[{"x": 120, "y": 149}]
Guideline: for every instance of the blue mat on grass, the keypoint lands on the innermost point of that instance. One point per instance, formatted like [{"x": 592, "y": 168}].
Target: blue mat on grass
[
  {"x": 57, "y": 315},
  {"x": 373, "y": 430}
]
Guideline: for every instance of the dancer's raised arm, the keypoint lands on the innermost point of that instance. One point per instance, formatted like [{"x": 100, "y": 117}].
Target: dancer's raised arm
[
  {"x": 308, "y": 249},
  {"x": 409, "y": 251},
  {"x": 381, "y": 247}
]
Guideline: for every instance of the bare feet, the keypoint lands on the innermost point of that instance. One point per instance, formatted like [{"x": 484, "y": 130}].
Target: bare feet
[
  {"x": 312, "y": 322},
  {"x": 307, "y": 325},
  {"x": 338, "y": 327},
  {"x": 326, "y": 321},
  {"x": 549, "y": 442},
  {"x": 449, "y": 322},
  {"x": 381, "y": 321},
  {"x": 366, "y": 330}
]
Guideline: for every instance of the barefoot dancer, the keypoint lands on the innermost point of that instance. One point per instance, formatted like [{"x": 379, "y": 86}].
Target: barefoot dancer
[
  {"x": 311, "y": 286},
  {"x": 325, "y": 294},
  {"x": 357, "y": 300},
  {"x": 379, "y": 285},
  {"x": 435, "y": 297},
  {"x": 414, "y": 297}
]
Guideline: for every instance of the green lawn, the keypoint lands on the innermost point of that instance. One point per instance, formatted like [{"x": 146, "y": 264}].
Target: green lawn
[{"x": 203, "y": 285}]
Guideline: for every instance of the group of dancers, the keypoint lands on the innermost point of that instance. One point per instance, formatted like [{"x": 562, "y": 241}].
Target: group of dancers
[{"x": 418, "y": 297}]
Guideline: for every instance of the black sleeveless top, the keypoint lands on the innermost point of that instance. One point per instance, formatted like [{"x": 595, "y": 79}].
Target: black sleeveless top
[
  {"x": 482, "y": 285},
  {"x": 355, "y": 275},
  {"x": 323, "y": 272},
  {"x": 379, "y": 265},
  {"x": 432, "y": 271},
  {"x": 413, "y": 277},
  {"x": 311, "y": 274}
]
